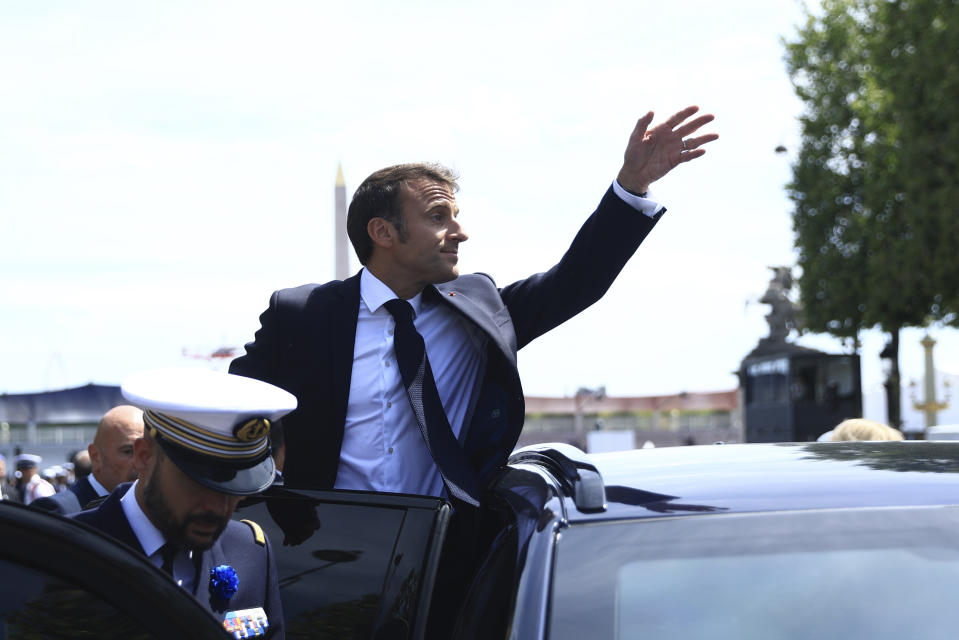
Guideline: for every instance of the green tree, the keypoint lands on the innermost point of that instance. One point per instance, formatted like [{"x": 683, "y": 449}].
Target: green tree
[
  {"x": 876, "y": 170},
  {"x": 918, "y": 64}
]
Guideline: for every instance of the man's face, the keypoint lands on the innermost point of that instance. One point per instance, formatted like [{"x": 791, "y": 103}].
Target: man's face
[
  {"x": 428, "y": 255},
  {"x": 112, "y": 451},
  {"x": 188, "y": 514}
]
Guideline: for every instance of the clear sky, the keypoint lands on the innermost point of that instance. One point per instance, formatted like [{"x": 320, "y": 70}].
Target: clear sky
[{"x": 165, "y": 166}]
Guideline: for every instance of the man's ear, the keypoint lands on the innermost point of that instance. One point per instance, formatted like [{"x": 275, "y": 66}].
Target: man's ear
[
  {"x": 382, "y": 232},
  {"x": 94, "y": 457},
  {"x": 143, "y": 455}
]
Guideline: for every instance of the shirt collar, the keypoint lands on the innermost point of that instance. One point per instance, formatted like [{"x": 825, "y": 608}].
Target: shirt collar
[
  {"x": 99, "y": 488},
  {"x": 374, "y": 293},
  {"x": 148, "y": 535}
]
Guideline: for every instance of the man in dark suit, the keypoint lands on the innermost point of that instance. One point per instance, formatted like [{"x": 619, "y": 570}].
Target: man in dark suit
[
  {"x": 111, "y": 456},
  {"x": 331, "y": 345},
  {"x": 206, "y": 445}
]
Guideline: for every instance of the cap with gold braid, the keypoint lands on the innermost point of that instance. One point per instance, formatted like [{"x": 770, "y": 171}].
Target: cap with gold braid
[{"x": 214, "y": 426}]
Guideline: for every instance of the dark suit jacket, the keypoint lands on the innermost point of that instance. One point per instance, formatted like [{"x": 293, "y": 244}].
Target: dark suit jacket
[
  {"x": 236, "y": 547},
  {"x": 80, "y": 494},
  {"x": 84, "y": 491},
  {"x": 305, "y": 343},
  {"x": 9, "y": 491}
]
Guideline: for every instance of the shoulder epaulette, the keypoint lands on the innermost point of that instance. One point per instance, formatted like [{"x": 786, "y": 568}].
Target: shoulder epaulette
[{"x": 258, "y": 534}]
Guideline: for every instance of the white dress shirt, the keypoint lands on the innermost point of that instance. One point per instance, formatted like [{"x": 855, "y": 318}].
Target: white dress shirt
[
  {"x": 383, "y": 449},
  {"x": 151, "y": 540},
  {"x": 644, "y": 204},
  {"x": 99, "y": 488}
]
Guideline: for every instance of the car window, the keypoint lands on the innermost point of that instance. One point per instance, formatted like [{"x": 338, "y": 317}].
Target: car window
[
  {"x": 869, "y": 573},
  {"x": 34, "y": 604},
  {"x": 352, "y": 564},
  {"x": 62, "y": 579}
]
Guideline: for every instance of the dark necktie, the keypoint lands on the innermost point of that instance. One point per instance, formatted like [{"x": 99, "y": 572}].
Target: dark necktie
[
  {"x": 417, "y": 375},
  {"x": 168, "y": 554}
]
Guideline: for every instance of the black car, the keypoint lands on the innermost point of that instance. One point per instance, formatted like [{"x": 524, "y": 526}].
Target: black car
[
  {"x": 726, "y": 541},
  {"x": 814, "y": 540}
]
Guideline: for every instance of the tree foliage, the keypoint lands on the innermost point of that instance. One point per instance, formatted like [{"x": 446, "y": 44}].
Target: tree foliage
[
  {"x": 828, "y": 65},
  {"x": 918, "y": 66},
  {"x": 876, "y": 179}
]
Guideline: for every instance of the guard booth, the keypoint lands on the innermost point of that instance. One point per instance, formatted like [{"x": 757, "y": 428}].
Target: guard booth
[{"x": 797, "y": 394}]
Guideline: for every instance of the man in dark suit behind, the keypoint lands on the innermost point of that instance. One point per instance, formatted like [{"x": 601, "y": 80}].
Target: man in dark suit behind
[
  {"x": 331, "y": 345},
  {"x": 111, "y": 457},
  {"x": 206, "y": 446}
]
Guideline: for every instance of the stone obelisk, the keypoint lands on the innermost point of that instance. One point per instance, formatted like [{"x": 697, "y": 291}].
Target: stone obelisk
[{"x": 341, "y": 251}]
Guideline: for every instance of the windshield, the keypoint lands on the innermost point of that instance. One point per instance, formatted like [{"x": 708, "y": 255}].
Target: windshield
[{"x": 865, "y": 573}]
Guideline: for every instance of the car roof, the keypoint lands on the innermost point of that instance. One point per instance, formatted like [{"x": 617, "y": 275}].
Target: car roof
[
  {"x": 773, "y": 477},
  {"x": 943, "y": 432}
]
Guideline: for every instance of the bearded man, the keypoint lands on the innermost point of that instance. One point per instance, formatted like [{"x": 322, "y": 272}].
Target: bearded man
[{"x": 205, "y": 446}]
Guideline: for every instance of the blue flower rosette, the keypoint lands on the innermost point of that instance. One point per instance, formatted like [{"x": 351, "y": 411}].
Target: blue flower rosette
[{"x": 224, "y": 582}]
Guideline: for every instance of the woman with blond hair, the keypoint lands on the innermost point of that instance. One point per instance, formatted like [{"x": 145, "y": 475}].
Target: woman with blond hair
[{"x": 862, "y": 429}]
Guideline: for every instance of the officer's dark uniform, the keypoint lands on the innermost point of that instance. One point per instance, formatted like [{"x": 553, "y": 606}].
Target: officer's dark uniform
[{"x": 214, "y": 427}]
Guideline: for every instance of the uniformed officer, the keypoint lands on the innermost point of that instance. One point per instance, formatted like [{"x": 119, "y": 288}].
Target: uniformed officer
[
  {"x": 31, "y": 482},
  {"x": 205, "y": 445}
]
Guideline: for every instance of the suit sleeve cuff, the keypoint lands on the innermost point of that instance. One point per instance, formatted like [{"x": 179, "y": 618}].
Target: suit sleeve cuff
[{"x": 647, "y": 206}]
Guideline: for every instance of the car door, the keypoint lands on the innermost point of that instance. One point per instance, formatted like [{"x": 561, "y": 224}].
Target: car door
[
  {"x": 352, "y": 564},
  {"x": 62, "y": 579}
]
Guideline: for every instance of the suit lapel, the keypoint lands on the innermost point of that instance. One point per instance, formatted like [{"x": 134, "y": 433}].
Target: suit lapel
[
  {"x": 84, "y": 492},
  {"x": 450, "y": 295},
  {"x": 112, "y": 521},
  {"x": 343, "y": 337}
]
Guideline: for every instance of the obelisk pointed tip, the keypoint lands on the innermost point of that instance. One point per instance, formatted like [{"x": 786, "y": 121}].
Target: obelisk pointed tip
[{"x": 339, "y": 175}]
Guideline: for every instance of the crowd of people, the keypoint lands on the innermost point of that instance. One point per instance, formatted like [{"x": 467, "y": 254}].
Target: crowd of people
[
  {"x": 90, "y": 473},
  {"x": 31, "y": 481}
]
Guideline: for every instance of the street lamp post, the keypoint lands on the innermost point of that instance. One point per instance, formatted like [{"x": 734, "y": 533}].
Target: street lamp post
[{"x": 930, "y": 407}]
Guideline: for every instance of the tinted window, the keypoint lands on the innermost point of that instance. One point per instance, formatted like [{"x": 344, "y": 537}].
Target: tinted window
[
  {"x": 869, "y": 573},
  {"x": 766, "y": 389},
  {"x": 36, "y": 605},
  {"x": 351, "y": 564},
  {"x": 61, "y": 579}
]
